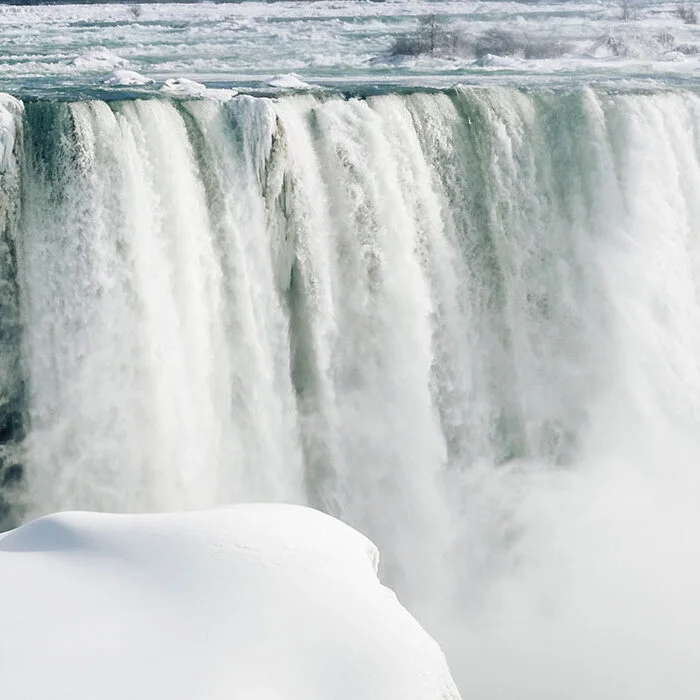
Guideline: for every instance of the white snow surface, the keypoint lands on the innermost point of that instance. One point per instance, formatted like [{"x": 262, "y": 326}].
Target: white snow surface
[
  {"x": 184, "y": 87},
  {"x": 251, "y": 601},
  {"x": 289, "y": 81},
  {"x": 122, "y": 77}
]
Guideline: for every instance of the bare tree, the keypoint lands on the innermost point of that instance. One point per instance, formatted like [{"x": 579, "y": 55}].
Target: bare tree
[
  {"x": 627, "y": 10},
  {"x": 429, "y": 27},
  {"x": 432, "y": 37},
  {"x": 687, "y": 14}
]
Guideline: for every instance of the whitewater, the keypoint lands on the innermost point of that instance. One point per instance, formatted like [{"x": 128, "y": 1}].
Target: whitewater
[{"x": 453, "y": 302}]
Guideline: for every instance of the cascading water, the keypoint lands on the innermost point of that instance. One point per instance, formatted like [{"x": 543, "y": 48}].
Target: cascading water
[{"x": 465, "y": 322}]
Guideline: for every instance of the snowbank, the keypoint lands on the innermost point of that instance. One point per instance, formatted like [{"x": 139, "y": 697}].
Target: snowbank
[{"x": 253, "y": 601}]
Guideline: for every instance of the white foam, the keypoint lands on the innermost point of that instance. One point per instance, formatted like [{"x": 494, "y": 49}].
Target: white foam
[{"x": 98, "y": 58}]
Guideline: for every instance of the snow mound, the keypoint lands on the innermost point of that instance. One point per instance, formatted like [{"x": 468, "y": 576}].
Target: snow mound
[
  {"x": 290, "y": 81},
  {"x": 184, "y": 87},
  {"x": 253, "y": 601},
  {"x": 123, "y": 77}
]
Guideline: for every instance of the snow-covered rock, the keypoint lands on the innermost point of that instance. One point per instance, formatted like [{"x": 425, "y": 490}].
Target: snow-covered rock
[
  {"x": 11, "y": 110},
  {"x": 123, "y": 77},
  {"x": 253, "y": 601},
  {"x": 184, "y": 87},
  {"x": 289, "y": 81}
]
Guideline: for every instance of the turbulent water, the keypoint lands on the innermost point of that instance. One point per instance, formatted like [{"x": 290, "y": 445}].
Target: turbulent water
[{"x": 466, "y": 320}]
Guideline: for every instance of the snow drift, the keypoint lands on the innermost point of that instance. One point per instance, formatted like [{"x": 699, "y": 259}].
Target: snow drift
[{"x": 253, "y": 601}]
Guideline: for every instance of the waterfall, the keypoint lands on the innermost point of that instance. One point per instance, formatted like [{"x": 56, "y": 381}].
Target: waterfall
[{"x": 466, "y": 322}]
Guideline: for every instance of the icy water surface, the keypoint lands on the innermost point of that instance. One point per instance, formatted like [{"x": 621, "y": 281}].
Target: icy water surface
[{"x": 70, "y": 50}]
